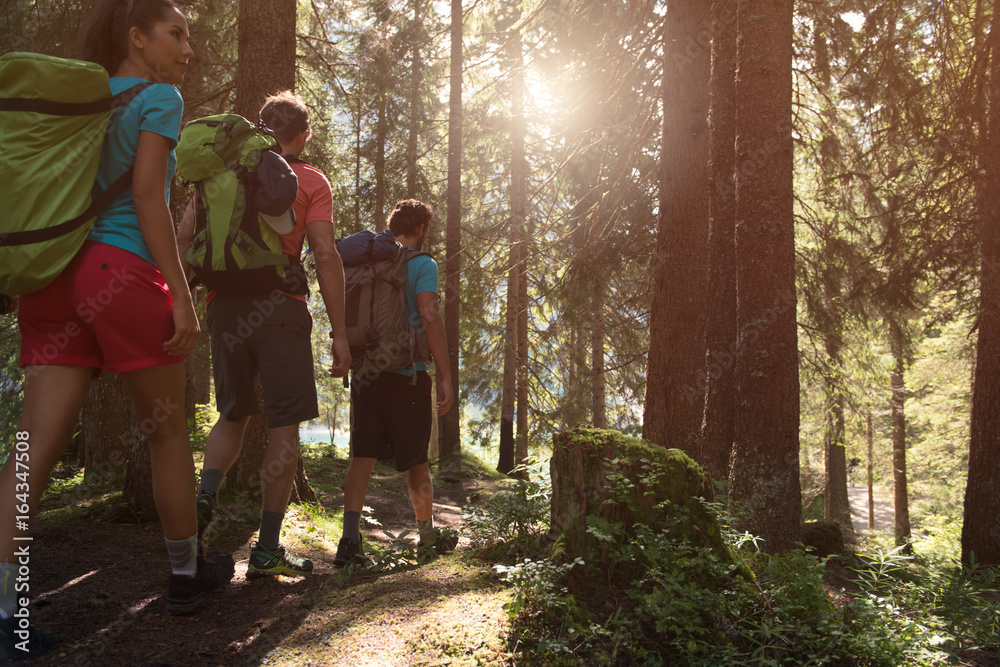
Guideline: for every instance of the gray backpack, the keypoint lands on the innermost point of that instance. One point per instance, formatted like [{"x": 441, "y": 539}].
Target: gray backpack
[{"x": 379, "y": 332}]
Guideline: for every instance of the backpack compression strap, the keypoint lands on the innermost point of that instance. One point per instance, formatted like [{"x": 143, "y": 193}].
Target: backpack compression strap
[
  {"x": 73, "y": 108},
  {"x": 102, "y": 200}
]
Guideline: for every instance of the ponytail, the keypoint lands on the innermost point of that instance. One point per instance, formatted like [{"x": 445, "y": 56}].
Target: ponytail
[{"x": 103, "y": 38}]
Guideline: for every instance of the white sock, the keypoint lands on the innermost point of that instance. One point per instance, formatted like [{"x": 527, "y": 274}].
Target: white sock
[{"x": 183, "y": 555}]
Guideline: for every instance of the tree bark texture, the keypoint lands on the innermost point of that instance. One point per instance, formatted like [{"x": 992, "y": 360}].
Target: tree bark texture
[
  {"x": 137, "y": 493},
  {"x": 519, "y": 214},
  {"x": 302, "y": 491},
  {"x": 107, "y": 421},
  {"x": 599, "y": 403},
  {"x": 266, "y": 53},
  {"x": 244, "y": 475},
  {"x": 981, "y": 525},
  {"x": 509, "y": 395},
  {"x": 720, "y": 326},
  {"x": 900, "y": 494},
  {"x": 450, "y": 423},
  {"x": 197, "y": 373},
  {"x": 416, "y": 109},
  {"x": 382, "y": 56},
  {"x": 675, "y": 375},
  {"x": 765, "y": 469},
  {"x": 837, "y": 507},
  {"x": 871, "y": 472}
]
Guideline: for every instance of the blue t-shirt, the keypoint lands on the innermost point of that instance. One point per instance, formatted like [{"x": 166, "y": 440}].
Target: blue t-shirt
[
  {"x": 157, "y": 109},
  {"x": 421, "y": 276}
]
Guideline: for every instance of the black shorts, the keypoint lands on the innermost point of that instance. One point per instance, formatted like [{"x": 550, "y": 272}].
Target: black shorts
[
  {"x": 392, "y": 418},
  {"x": 268, "y": 337}
]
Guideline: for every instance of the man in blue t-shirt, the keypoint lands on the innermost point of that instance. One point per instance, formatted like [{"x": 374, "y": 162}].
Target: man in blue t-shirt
[{"x": 392, "y": 411}]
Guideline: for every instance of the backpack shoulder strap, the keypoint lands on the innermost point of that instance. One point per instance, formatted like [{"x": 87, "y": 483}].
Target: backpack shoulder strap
[
  {"x": 101, "y": 201},
  {"x": 413, "y": 254},
  {"x": 48, "y": 233}
]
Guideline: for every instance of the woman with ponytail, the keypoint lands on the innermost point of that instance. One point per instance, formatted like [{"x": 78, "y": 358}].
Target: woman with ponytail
[{"x": 123, "y": 306}]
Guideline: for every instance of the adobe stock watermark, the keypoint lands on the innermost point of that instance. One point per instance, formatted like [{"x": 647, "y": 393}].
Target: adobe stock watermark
[
  {"x": 87, "y": 311},
  {"x": 390, "y": 355},
  {"x": 257, "y": 317},
  {"x": 720, "y": 361}
]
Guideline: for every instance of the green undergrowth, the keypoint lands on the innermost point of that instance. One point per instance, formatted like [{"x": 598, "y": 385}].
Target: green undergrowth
[{"x": 684, "y": 605}]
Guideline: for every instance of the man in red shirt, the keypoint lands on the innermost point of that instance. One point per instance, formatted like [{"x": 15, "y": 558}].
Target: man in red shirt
[{"x": 268, "y": 336}]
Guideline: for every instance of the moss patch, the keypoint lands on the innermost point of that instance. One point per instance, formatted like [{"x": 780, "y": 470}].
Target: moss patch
[{"x": 625, "y": 480}]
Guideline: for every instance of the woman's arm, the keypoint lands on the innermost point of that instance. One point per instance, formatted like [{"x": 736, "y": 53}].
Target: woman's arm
[{"x": 156, "y": 225}]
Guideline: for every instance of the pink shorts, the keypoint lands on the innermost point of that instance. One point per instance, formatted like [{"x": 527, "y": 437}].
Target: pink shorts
[{"x": 109, "y": 309}]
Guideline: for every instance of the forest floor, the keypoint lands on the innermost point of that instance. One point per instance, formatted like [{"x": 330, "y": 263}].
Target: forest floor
[{"x": 99, "y": 585}]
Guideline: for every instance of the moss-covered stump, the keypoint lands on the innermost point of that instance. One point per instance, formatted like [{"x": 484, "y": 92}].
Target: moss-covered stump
[
  {"x": 605, "y": 474},
  {"x": 826, "y": 539}
]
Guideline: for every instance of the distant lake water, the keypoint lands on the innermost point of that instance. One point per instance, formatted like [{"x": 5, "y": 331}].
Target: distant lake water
[{"x": 317, "y": 434}]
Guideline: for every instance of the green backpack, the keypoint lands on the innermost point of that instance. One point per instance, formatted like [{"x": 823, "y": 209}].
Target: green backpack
[
  {"x": 54, "y": 114},
  {"x": 233, "y": 249}
]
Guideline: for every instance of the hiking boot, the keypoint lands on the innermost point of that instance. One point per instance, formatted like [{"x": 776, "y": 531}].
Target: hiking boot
[
  {"x": 441, "y": 543},
  {"x": 206, "y": 503},
  {"x": 265, "y": 562},
  {"x": 185, "y": 594},
  {"x": 19, "y": 644},
  {"x": 349, "y": 552}
]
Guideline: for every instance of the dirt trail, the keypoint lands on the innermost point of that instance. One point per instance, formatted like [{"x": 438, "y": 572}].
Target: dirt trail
[
  {"x": 100, "y": 587},
  {"x": 884, "y": 513}
]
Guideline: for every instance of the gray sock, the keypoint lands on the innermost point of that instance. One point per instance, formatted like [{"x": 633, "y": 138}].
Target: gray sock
[
  {"x": 270, "y": 529},
  {"x": 426, "y": 530},
  {"x": 352, "y": 526},
  {"x": 211, "y": 481},
  {"x": 8, "y": 598},
  {"x": 183, "y": 555}
]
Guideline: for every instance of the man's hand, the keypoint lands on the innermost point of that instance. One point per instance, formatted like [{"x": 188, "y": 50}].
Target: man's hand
[
  {"x": 445, "y": 397},
  {"x": 341, "y": 357}
]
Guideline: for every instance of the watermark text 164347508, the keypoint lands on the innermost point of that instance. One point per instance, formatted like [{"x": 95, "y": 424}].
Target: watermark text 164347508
[{"x": 22, "y": 491}]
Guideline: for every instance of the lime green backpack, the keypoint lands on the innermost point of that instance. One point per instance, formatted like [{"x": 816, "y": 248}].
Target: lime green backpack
[
  {"x": 233, "y": 248},
  {"x": 54, "y": 114}
]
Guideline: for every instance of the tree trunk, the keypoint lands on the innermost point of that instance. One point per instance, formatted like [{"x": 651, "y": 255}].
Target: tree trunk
[
  {"x": 765, "y": 469},
  {"x": 104, "y": 434},
  {"x": 599, "y": 403},
  {"x": 197, "y": 374},
  {"x": 245, "y": 473},
  {"x": 302, "y": 491},
  {"x": 902, "y": 504},
  {"x": 519, "y": 214},
  {"x": 266, "y": 53},
  {"x": 434, "y": 446},
  {"x": 416, "y": 110},
  {"x": 450, "y": 434},
  {"x": 506, "y": 463},
  {"x": 266, "y": 66},
  {"x": 837, "y": 507},
  {"x": 720, "y": 331},
  {"x": 981, "y": 525},
  {"x": 138, "y": 491},
  {"x": 871, "y": 473},
  {"x": 675, "y": 375},
  {"x": 381, "y": 130},
  {"x": 357, "y": 166}
]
